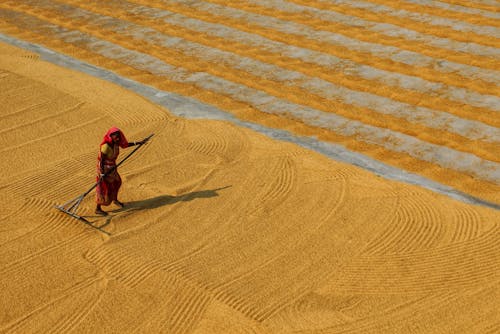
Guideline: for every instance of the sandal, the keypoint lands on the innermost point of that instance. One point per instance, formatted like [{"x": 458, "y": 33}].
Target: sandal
[{"x": 101, "y": 212}]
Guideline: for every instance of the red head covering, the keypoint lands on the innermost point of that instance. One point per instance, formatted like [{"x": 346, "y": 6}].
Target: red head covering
[{"x": 107, "y": 137}]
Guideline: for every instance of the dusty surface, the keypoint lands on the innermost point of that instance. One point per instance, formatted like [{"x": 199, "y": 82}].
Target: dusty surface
[{"x": 225, "y": 229}]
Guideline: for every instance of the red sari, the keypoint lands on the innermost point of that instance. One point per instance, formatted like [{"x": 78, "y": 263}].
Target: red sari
[{"x": 107, "y": 189}]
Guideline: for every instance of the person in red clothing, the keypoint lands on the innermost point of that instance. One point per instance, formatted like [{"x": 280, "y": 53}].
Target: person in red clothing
[{"x": 107, "y": 173}]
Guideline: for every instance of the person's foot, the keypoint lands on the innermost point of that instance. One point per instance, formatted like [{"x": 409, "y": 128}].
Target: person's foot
[
  {"x": 120, "y": 204},
  {"x": 101, "y": 212}
]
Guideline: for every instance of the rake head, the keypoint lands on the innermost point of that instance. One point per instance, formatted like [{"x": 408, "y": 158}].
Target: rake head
[{"x": 71, "y": 206}]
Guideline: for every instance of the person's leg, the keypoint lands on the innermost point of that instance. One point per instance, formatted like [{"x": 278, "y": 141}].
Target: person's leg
[
  {"x": 102, "y": 197},
  {"x": 116, "y": 187},
  {"x": 100, "y": 211}
]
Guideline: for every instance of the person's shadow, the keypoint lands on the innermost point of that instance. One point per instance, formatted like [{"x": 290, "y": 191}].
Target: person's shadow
[
  {"x": 156, "y": 202},
  {"x": 159, "y": 201}
]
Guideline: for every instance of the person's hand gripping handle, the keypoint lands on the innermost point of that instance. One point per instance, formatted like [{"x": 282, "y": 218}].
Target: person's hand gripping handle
[{"x": 144, "y": 141}]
